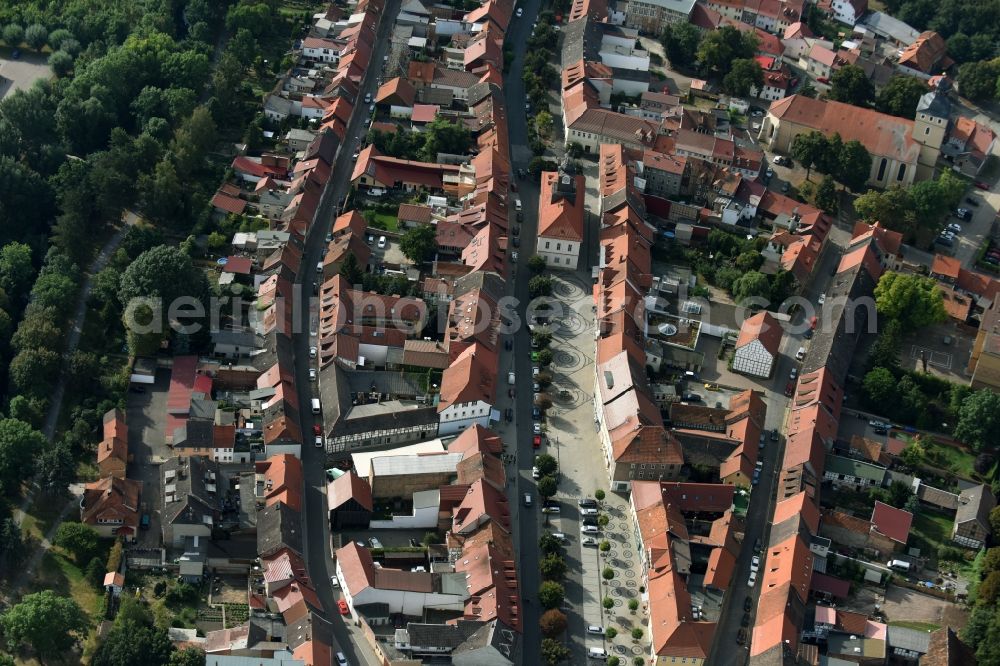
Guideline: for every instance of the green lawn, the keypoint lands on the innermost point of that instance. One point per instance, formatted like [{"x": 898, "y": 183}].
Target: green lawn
[
  {"x": 929, "y": 531},
  {"x": 387, "y": 221},
  {"x": 958, "y": 461}
]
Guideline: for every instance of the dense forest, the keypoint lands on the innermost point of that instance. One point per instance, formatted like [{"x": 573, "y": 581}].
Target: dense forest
[{"x": 142, "y": 105}]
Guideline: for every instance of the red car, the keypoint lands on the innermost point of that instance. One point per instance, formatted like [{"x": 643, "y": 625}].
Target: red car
[
  {"x": 790, "y": 388},
  {"x": 342, "y": 607},
  {"x": 536, "y": 441},
  {"x": 317, "y": 429},
  {"x": 981, "y": 185}
]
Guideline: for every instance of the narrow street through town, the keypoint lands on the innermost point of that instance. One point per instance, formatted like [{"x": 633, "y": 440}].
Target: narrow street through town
[{"x": 317, "y": 533}]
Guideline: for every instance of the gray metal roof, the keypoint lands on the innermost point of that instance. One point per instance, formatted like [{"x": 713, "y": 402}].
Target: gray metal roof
[
  {"x": 909, "y": 639},
  {"x": 935, "y": 104}
]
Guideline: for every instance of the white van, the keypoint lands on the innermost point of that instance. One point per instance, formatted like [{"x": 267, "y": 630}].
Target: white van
[
  {"x": 517, "y": 203},
  {"x": 899, "y": 565},
  {"x": 597, "y": 653},
  {"x": 315, "y": 405},
  {"x": 801, "y": 353},
  {"x": 319, "y": 266}
]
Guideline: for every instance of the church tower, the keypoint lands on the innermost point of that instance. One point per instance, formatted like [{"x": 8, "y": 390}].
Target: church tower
[{"x": 929, "y": 128}]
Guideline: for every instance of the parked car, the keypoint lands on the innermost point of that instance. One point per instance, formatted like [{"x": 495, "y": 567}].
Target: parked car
[
  {"x": 752, "y": 580},
  {"x": 588, "y": 511},
  {"x": 953, "y": 227},
  {"x": 747, "y": 603},
  {"x": 375, "y": 543},
  {"x": 741, "y": 636},
  {"x": 981, "y": 185},
  {"x": 745, "y": 620},
  {"x": 317, "y": 429},
  {"x": 790, "y": 388},
  {"x": 971, "y": 201},
  {"x": 536, "y": 428},
  {"x": 334, "y": 582},
  {"x": 520, "y": 12},
  {"x": 793, "y": 374},
  {"x": 587, "y": 502},
  {"x": 312, "y": 374},
  {"x": 536, "y": 441},
  {"x": 589, "y": 541},
  {"x": 342, "y": 607},
  {"x": 692, "y": 397},
  {"x": 822, "y": 299},
  {"x": 755, "y": 563},
  {"x": 535, "y": 474},
  {"x": 536, "y": 414},
  {"x": 341, "y": 659},
  {"x": 595, "y": 629},
  {"x": 550, "y": 508},
  {"x": 510, "y": 392},
  {"x": 312, "y": 352},
  {"x": 963, "y": 213},
  {"x": 589, "y": 529},
  {"x": 774, "y": 435}
]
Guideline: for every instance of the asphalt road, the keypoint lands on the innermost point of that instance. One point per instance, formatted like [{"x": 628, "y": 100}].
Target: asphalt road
[
  {"x": 725, "y": 651},
  {"x": 527, "y": 521},
  {"x": 317, "y": 534}
]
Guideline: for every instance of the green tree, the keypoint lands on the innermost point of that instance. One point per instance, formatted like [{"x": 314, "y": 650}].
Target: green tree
[
  {"x": 444, "y": 136},
  {"x": 549, "y": 545},
  {"x": 979, "y": 420},
  {"x": 680, "y": 42},
  {"x": 605, "y": 546},
  {"x": 825, "y": 197},
  {"x": 547, "y": 486},
  {"x": 880, "y": 386},
  {"x": 914, "y": 300},
  {"x": 32, "y": 371},
  {"x": 551, "y": 594},
  {"x": 57, "y": 37},
  {"x": 807, "y": 149},
  {"x": 851, "y": 85},
  {"x": 613, "y": 660},
  {"x": 13, "y": 35},
  {"x": 720, "y": 48},
  {"x": 50, "y": 623},
  {"x": 419, "y": 243},
  {"x": 608, "y": 573},
  {"x": 36, "y": 35},
  {"x": 243, "y": 45},
  {"x": 633, "y": 605},
  {"x": 163, "y": 196},
  {"x": 900, "y": 96},
  {"x": 995, "y": 519},
  {"x": 745, "y": 75},
  {"x": 554, "y": 652},
  {"x": 808, "y": 90},
  {"x": 610, "y": 633},
  {"x": 637, "y": 633},
  {"x": 893, "y": 208},
  {"x": 133, "y": 644},
  {"x": 61, "y": 63},
  {"x": 976, "y": 80},
  {"x": 194, "y": 138},
  {"x": 753, "y": 284},
  {"x": 536, "y": 264},
  {"x": 543, "y": 124},
  {"x": 16, "y": 271},
  {"x": 540, "y": 285},
  {"x": 165, "y": 273},
  {"x": 19, "y": 445},
  {"x": 603, "y": 520},
  {"x": 599, "y": 495},
  {"x": 552, "y": 622},
  {"x": 254, "y": 17},
  {"x": 79, "y": 540},
  {"x": 56, "y": 469},
  {"x": 608, "y": 603},
  {"x": 553, "y": 567},
  {"x": 853, "y": 166},
  {"x": 546, "y": 464}
]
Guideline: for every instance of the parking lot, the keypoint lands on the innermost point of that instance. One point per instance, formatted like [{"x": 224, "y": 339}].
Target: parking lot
[
  {"x": 146, "y": 415},
  {"x": 22, "y": 73},
  {"x": 905, "y": 604}
]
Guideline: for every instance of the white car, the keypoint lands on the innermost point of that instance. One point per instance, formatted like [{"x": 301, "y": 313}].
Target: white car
[
  {"x": 341, "y": 659},
  {"x": 755, "y": 564},
  {"x": 312, "y": 352},
  {"x": 513, "y": 257},
  {"x": 381, "y": 242},
  {"x": 588, "y": 511},
  {"x": 589, "y": 529},
  {"x": 312, "y": 374},
  {"x": 752, "y": 580},
  {"x": 319, "y": 441},
  {"x": 589, "y": 541},
  {"x": 595, "y": 629},
  {"x": 793, "y": 374},
  {"x": 536, "y": 428},
  {"x": 535, "y": 474},
  {"x": 954, "y": 228},
  {"x": 334, "y": 582},
  {"x": 550, "y": 509},
  {"x": 822, "y": 299},
  {"x": 375, "y": 543},
  {"x": 520, "y": 12},
  {"x": 535, "y": 370}
]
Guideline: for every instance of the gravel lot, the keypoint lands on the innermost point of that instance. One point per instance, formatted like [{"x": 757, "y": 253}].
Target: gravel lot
[{"x": 21, "y": 73}]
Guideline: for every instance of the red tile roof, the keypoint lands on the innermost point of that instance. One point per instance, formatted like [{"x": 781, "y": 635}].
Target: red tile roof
[
  {"x": 764, "y": 327},
  {"x": 228, "y": 204},
  {"x": 560, "y": 216},
  {"x": 892, "y": 522},
  {"x": 946, "y": 266},
  {"x": 282, "y": 480},
  {"x": 238, "y": 265},
  {"x": 346, "y": 487}
]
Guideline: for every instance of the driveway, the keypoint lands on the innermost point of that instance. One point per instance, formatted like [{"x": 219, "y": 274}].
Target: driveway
[
  {"x": 146, "y": 416},
  {"x": 905, "y": 604}
]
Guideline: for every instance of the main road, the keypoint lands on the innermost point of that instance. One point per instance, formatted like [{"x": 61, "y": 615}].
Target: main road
[
  {"x": 317, "y": 533},
  {"x": 525, "y": 520}
]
